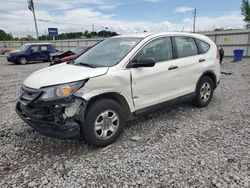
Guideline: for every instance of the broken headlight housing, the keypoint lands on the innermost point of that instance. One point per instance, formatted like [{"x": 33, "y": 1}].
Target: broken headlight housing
[{"x": 60, "y": 91}]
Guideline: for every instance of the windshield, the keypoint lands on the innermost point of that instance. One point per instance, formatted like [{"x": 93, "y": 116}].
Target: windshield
[
  {"x": 108, "y": 52},
  {"x": 78, "y": 50},
  {"x": 23, "y": 47}
]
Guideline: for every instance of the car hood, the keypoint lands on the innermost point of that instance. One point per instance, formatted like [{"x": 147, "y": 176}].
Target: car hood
[
  {"x": 14, "y": 51},
  {"x": 60, "y": 74}
]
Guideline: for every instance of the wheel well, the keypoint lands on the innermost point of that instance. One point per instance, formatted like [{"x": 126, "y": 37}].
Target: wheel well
[
  {"x": 212, "y": 76},
  {"x": 114, "y": 96},
  {"x": 21, "y": 57}
]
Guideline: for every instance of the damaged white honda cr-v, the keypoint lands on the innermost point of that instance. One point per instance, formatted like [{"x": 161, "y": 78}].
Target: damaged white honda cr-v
[{"x": 118, "y": 79}]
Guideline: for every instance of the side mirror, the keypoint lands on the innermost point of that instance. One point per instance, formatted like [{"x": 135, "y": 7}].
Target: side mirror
[
  {"x": 31, "y": 50},
  {"x": 148, "y": 62}
]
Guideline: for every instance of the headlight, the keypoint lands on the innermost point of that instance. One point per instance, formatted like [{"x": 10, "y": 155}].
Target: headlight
[{"x": 60, "y": 91}]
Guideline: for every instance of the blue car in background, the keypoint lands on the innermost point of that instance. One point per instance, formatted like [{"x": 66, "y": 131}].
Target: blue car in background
[{"x": 31, "y": 52}]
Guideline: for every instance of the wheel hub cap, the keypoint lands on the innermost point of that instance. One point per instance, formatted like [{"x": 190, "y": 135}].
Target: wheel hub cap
[
  {"x": 205, "y": 92},
  {"x": 106, "y": 125}
]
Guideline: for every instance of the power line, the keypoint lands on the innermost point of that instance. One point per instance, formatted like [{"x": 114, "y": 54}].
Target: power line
[
  {"x": 60, "y": 22},
  {"x": 70, "y": 23}
]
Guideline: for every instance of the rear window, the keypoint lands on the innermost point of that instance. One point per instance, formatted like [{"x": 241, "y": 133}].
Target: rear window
[
  {"x": 204, "y": 47},
  {"x": 186, "y": 46}
]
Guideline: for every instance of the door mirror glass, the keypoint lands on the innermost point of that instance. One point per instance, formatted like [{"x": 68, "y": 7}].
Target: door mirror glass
[{"x": 146, "y": 62}]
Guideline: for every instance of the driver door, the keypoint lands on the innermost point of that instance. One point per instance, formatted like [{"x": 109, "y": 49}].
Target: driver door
[
  {"x": 153, "y": 85},
  {"x": 34, "y": 53}
]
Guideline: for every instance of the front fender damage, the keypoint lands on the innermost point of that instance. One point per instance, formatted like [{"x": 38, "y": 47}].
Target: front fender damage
[{"x": 61, "y": 119}]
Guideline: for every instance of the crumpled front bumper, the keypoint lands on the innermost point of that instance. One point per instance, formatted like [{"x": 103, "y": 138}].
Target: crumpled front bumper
[{"x": 47, "y": 125}]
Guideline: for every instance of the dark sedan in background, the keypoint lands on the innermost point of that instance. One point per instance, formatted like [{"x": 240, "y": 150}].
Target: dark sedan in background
[{"x": 61, "y": 57}]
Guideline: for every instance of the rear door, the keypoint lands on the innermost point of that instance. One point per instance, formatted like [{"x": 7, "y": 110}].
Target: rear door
[
  {"x": 34, "y": 53},
  {"x": 44, "y": 53},
  {"x": 189, "y": 61}
]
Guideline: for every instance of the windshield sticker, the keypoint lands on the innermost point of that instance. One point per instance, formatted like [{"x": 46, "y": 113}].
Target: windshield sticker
[{"x": 127, "y": 43}]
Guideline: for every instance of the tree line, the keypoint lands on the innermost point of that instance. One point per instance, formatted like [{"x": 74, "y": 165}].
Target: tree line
[
  {"x": 71, "y": 35},
  {"x": 77, "y": 35}
]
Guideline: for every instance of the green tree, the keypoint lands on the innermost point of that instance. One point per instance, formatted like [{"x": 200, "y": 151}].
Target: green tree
[
  {"x": 5, "y": 36},
  {"x": 245, "y": 11},
  {"x": 219, "y": 29}
]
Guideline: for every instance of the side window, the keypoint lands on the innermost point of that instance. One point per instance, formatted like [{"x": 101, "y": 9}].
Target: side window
[
  {"x": 204, "y": 47},
  {"x": 44, "y": 48},
  {"x": 159, "y": 50},
  {"x": 35, "y": 48},
  {"x": 185, "y": 46}
]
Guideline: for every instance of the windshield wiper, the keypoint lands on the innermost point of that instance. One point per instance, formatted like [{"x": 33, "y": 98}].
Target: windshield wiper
[{"x": 87, "y": 65}]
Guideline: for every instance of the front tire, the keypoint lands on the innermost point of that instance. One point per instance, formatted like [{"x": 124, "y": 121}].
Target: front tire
[
  {"x": 204, "y": 92},
  {"x": 104, "y": 123},
  {"x": 22, "y": 60}
]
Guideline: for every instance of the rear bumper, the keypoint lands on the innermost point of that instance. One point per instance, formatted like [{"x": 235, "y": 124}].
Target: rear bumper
[{"x": 66, "y": 130}]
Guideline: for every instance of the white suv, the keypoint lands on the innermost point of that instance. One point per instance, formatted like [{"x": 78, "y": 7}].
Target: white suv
[{"x": 118, "y": 79}]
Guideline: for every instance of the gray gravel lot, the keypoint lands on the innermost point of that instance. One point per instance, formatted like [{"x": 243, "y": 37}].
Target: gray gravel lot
[{"x": 179, "y": 146}]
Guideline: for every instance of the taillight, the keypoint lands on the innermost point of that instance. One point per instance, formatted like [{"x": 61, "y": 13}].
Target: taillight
[{"x": 218, "y": 54}]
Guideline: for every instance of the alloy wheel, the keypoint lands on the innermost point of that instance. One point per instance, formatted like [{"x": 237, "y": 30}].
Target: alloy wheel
[{"x": 106, "y": 124}]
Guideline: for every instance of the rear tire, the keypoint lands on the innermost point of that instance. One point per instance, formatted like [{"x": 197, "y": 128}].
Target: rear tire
[
  {"x": 104, "y": 123},
  {"x": 204, "y": 92},
  {"x": 22, "y": 60}
]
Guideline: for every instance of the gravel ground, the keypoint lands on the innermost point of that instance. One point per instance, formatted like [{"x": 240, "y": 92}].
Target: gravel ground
[{"x": 179, "y": 146}]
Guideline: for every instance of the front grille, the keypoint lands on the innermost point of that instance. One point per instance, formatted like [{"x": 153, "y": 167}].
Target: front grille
[
  {"x": 37, "y": 112},
  {"x": 27, "y": 95}
]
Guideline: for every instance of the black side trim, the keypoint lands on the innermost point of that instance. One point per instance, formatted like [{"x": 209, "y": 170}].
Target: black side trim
[
  {"x": 174, "y": 48},
  {"x": 153, "y": 108}
]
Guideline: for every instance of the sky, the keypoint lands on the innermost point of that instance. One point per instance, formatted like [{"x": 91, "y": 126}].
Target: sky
[{"x": 128, "y": 16}]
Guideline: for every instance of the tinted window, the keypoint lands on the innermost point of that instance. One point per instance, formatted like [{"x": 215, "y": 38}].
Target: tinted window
[
  {"x": 185, "y": 46},
  {"x": 204, "y": 47},
  {"x": 51, "y": 47},
  {"x": 35, "y": 48},
  {"x": 159, "y": 50}
]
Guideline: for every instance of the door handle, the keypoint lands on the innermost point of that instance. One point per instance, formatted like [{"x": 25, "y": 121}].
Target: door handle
[
  {"x": 172, "y": 67},
  {"x": 202, "y": 60}
]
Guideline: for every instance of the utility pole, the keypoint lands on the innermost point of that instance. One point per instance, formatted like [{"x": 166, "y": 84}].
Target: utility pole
[
  {"x": 194, "y": 20},
  {"x": 32, "y": 8}
]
